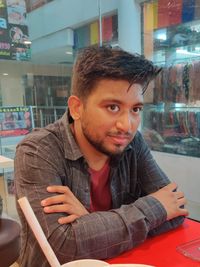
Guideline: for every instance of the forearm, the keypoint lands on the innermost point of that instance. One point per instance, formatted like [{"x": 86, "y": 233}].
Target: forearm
[
  {"x": 167, "y": 226},
  {"x": 106, "y": 234},
  {"x": 100, "y": 234}
]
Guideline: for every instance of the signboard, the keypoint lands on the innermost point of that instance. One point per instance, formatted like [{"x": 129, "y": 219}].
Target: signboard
[
  {"x": 14, "y": 38},
  {"x": 4, "y": 34},
  {"x": 15, "y": 121}
]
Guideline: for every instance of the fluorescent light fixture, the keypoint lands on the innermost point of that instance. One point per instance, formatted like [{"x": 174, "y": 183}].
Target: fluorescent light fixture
[
  {"x": 27, "y": 42},
  {"x": 69, "y": 52},
  {"x": 161, "y": 36},
  {"x": 5, "y": 74}
]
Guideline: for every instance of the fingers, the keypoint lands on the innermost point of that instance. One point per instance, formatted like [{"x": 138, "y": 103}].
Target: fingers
[
  {"x": 179, "y": 194},
  {"x": 68, "y": 219},
  {"x": 58, "y": 208},
  {"x": 64, "y": 195},
  {"x": 63, "y": 202},
  {"x": 62, "y": 208},
  {"x": 172, "y": 200},
  {"x": 171, "y": 187},
  {"x": 52, "y": 200},
  {"x": 59, "y": 189},
  {"x": 183, "y": 212},
  {"x": 181, "y": 201}
]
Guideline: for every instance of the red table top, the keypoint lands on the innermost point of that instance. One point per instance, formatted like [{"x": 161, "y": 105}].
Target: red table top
[{"x": 160, "y": 251}]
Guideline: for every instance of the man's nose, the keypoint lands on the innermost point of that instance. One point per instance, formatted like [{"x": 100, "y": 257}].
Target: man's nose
[{"x": 124, "y": 123}]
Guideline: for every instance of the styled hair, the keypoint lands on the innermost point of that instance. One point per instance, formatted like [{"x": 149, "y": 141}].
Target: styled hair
[{"x": 95, "y": 63}]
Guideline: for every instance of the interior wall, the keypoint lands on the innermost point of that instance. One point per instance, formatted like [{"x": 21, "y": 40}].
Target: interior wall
[
  {"x": 12, "y": 91},
  {"x": 72, "y": 14},
  {"x": 184, "y": 171}
]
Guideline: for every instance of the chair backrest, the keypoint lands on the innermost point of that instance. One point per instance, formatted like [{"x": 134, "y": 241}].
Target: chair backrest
[{"x": 9, "y": 241}]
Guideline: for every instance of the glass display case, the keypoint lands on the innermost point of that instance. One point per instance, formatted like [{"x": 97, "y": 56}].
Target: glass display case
[
  {"x": 171, "y": 39},
  {"x": 173, "y": 128}
]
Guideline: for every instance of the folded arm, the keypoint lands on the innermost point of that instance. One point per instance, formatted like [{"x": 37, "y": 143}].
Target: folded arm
[{"x": 95, "y": 235}]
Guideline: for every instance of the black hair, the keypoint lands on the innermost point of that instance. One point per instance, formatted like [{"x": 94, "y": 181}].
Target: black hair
[{"x": 95, "y": 63}]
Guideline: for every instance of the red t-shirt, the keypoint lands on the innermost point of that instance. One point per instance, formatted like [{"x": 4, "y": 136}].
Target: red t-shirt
[{"x": 100, "y": 189}]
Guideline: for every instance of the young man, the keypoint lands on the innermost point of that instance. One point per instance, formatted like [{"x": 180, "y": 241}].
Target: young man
[{"x": 90, "y": 177}]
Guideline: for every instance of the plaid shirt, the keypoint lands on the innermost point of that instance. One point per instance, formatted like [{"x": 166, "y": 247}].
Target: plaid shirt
[{"x": 50, "y": 156}]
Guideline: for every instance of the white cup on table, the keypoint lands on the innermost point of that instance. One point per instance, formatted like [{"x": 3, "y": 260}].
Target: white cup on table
[
  {"x": 86, "y": 263},
  {"x": 98, "y": 263}
]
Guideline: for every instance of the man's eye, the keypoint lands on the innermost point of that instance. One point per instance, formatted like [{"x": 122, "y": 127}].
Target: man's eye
[
  {"x": 113, "y": 108},
  {"x": 137, "y": 109}
]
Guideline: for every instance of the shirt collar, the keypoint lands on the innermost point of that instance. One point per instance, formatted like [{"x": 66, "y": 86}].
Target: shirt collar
[{"x": 71, "y": 148}]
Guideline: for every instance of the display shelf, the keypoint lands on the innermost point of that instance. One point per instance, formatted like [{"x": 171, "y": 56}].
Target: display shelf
[
  {"x": 172, "y": 128},
  {"x": 171, "y": 39}
]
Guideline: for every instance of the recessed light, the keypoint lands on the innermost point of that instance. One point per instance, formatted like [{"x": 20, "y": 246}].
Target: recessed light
[{"x": 27, "y": 42}]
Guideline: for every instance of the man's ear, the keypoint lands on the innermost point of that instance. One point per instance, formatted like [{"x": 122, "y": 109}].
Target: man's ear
[{"x": 75, "y": 106}]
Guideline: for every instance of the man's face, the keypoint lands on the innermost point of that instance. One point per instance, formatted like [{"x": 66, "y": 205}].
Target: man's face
[{"x": 111, "y": 115}]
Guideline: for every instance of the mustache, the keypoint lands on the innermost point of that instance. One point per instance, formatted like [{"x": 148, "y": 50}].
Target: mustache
[{"x": 120, "y": 134}]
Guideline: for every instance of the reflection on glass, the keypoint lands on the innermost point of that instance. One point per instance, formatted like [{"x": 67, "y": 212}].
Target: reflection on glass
[
  {"x": 171, "y": 38},
  {"x": 172, "y": 129}
]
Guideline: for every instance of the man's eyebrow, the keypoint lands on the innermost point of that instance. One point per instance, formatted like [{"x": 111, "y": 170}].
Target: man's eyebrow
[
  {"x": 117, "y": 101},
  {"x": 139, "y": 104},
  {"x": 111, "y": 100}
]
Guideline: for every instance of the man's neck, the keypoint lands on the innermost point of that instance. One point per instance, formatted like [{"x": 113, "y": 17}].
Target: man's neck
[{"x": 96, "y": 164}]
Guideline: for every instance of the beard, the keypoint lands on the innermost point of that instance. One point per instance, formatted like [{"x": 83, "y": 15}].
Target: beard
[{"x": 100, "y": 145}]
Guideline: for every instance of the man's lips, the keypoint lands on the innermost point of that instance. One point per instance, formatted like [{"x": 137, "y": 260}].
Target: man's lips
[{"x": 120, "y": 139}]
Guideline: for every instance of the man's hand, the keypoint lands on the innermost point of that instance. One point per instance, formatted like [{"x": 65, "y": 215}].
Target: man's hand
[
  {"x": 66, "y": 202},
  {"x": 171, "y": 200}
]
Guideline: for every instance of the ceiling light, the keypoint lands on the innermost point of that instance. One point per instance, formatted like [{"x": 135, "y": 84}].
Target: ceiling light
[
  {"x": 5, "y": 74},
  {"x": 69, "y": 52},
  {"x": 27, "y": 42},
  {"x": 162, "y": 36}
]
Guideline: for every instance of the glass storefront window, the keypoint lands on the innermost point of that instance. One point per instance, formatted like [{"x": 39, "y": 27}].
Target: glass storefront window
[
  {"x": 173, "y": 128},
  {"x": 171, "y": 38}
]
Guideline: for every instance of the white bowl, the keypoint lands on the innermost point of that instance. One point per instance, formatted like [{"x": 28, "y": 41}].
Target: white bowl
[
  {"x": 86, "y": 263},
  {"x": 130, "y": 265}
]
